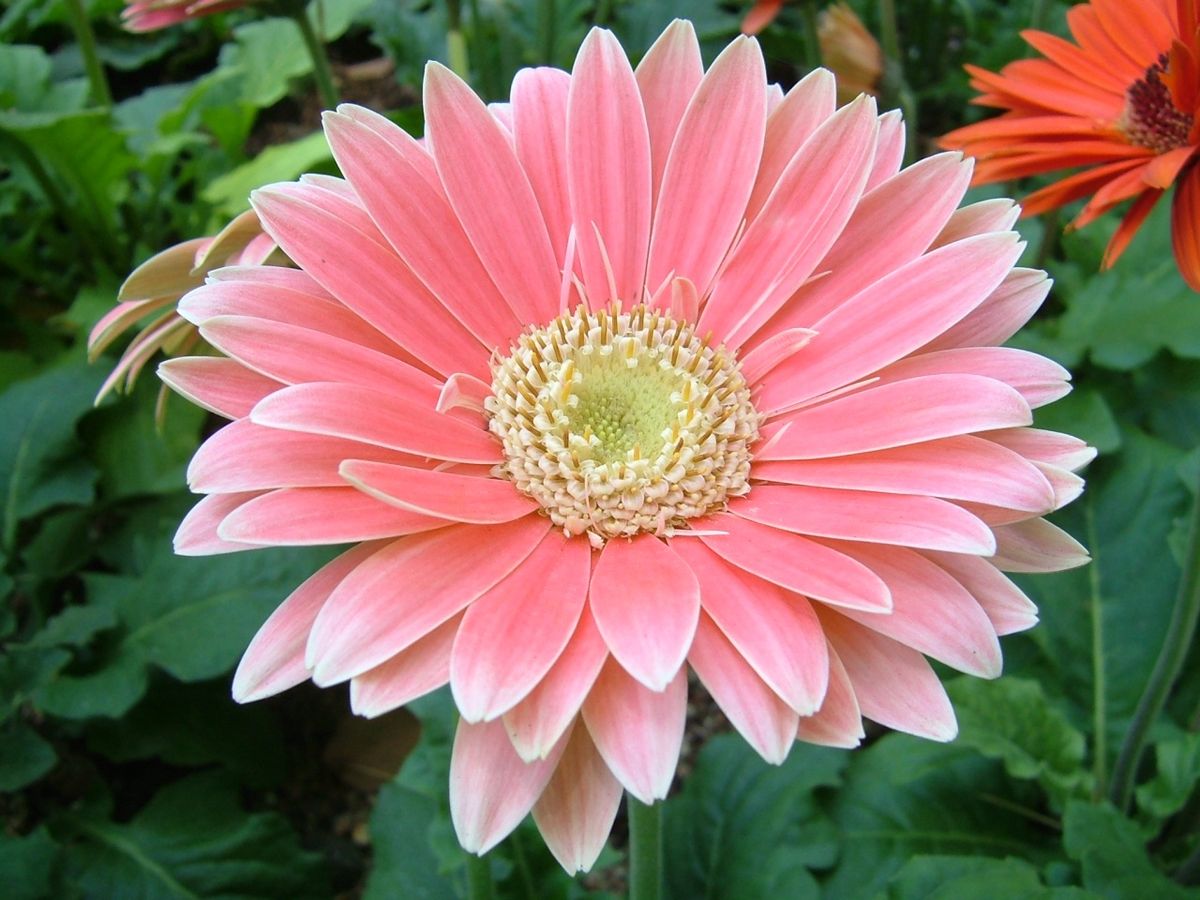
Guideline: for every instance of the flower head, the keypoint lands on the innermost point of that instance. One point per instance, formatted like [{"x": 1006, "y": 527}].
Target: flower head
[
  {"x": 1121, "y": 105},
  {"x": 850, "y": 52},
  {"x": 154, "y": 288},
  {"x": 645, "y": 370},
  {"x": 151, "y": 15}
]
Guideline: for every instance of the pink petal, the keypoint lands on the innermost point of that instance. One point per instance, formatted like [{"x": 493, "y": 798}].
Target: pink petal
[
  {"x": 778, "y": 634},
  {"x": 893, "y": 317},
  {"x": 667, "y": 77},
  {"x": 608, "y": 151},
  {"x": 462, "y": 391},
  {"x": 711, "y": 168},
  {"x": 295, "y": 355},
  {"x": 537, "y": 722},
  {"x": 579, "y": 805},
  {"x": 243, "y": 456},
  {"x": 1001, "y": 315},
  {"x": 539, "y": 102},
  {"x": 409, "y": 588},
  {"x": 867, "y": 516},
  {"x": 197, "y": 533},
  {"x": 645, "y": 601},
  {"x": 766, "y": 722},
  {"x": 169, "y": 273},
  {"x": 957, "y": 468},
  {"x": 222, "y": 386},
  {"x": 794, "y": 562},
  {"x": 1037, "y": 546},
  {"x": 1038, "y": 379},
  {"x": 889, "y": 149},
  {"x": 838, "y": 723},
  {"x": 376, "y": 417},
  {"x": 1004, "y": 603},
  {"x": 491, "y": 788},
  {"x": 891, "y": 226},
  {"x": 1049, "y": 447},
  {"x": 894, "y": 684},
  {"x": 274, "y": 661},
  {"x": 799, "y": 222},
  {"x": 491, "y": 195},
  {"x": 513, "y": 634},
  {"x": 806, "y": 106},
  {"x": 306, "y": 517},
  {"x": 421, "y": 667},
  {"x": 443, "y": 495},
  {"x": 779, "y": 347},
  {"x": 117, "y": 320},
  {"x": 305, "y": 308},
  {"x": 894, "y": 415},
  {"x": 637, "y": 731},
  {"x": 931, "y": 611},
  {"x": 371, "y": 280},
  {"x": 999, "y": 214}
]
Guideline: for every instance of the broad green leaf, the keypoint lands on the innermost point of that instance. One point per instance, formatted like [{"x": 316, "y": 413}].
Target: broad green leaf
[
  {"x": 1084, "y": 413},
  {"x": 743, "y": 828},
  {"x": 189, "y": 617},
  {"x": 74, "y": 626},
  {"x": 404, "y": 863},
  {"x": 27, "y": 865},
  {"x": 905, "y": 797},
  {"x": 1107, "y": 620},
  {"x": 974, "y": 878},
  {"x": 1112, "y": 855},
  {"x": 266, "y": 56},
  {"x": 192, "y": 840},
  {"x": 23, "y": 671},
  {"x": 26, "y": 86},
  {"x": 41, "y": 463},
  {"x": 230, "y": 193},
  {"x": 1012, "y": 720},
  {"x": 25, "y": 756},
  {"x": 1178, "y": 771}
]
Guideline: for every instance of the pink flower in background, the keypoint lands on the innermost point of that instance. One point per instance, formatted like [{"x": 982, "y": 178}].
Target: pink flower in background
[
  {"x": 151, "y": 15},
  {"x": 644, "y": 370},
  {"x": 150, "y": 294}
]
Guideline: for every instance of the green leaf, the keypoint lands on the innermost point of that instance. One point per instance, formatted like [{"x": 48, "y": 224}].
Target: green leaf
[
  {"x": 1086, "y": 414},
  {"x": 23, "y": 671},
  {"x": 25, "y": 756},
  {"x": 192, "y": 840},
  {"x": 1178, "y": 771},
  {"x": 283, "y": 162},
  {"x": 28, "y": 865},
  {"x": 905, "y": 797},
  {"x": 1113, "y": 857},
  {"x": 1011, "y": 720},
  {"x": 26, "y": 85},
  {"x": 267, "y": 54},
  {"x": 743, "y": 828},
  {"x": 41, "y": 465},
  {"x": 974, "y": 878},
  {"x": 189, "y": 617},
  {"x": 75, "y": 626},
  {"x": 1107, "y": 620},
  {"x": 404, "y": 863}
]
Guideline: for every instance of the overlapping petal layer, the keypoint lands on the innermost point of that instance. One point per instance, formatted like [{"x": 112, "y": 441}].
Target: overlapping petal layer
[{"x": 847, "y": 515}]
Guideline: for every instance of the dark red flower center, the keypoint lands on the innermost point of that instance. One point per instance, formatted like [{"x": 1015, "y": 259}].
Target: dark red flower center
[{"x": 1151, "y": 119}]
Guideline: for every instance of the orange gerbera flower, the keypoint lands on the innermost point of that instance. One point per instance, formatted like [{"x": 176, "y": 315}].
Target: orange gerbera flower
[{"x": 1122, "y": 103}]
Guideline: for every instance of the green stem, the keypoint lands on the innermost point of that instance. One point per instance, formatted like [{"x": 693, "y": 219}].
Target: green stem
[
  {"x": 1037, "y": 14},
  {"x": 86, "y": 38},
  {"x": 602, "y": 13},
  {"x": 645, "y": 850},
  {"x": 322, "y": 73},
  {"x": 479, "y": 878},
  {"x": 1171, "y": 657},
  {"x": 1099, "y": 684},
  {"x": 456, "y": 42},
  {"x": 894, "y": 84},
  {"x": 812, "y": 42}
]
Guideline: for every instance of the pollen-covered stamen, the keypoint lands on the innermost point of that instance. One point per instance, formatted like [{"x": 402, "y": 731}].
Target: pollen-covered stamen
[
  {"x": 622, "y": 422},
  {"x": 1151, "y": 118}
]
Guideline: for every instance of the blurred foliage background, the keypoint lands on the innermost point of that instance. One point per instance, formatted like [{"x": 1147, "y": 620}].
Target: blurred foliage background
[{"x": 127, "y": 771}]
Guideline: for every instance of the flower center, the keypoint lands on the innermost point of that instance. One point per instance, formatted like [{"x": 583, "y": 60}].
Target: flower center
[
  {"x": 622, "y": 422},
  {"x": 1150, "y": 118}
]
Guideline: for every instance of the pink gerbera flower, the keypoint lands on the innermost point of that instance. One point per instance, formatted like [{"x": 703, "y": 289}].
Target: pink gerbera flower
[
  {"x": 641, "y": 371},
  {"x": 151, "y": 15}
]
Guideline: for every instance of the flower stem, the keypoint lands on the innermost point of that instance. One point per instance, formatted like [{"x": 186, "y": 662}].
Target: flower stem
[
  {"x": 812, "y": 42},
  {"x": 82, "y": 27},
  {"x": 1171, "y": 657},
  {"x": 479, "y": 878},
  {"x": 322, "y": 74},
  {"x": 894, "y": 84},
  {"x": 547, "y": 30},
  {"x": 456, "y": 42},
  {"x": 645, "y": 850}
]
